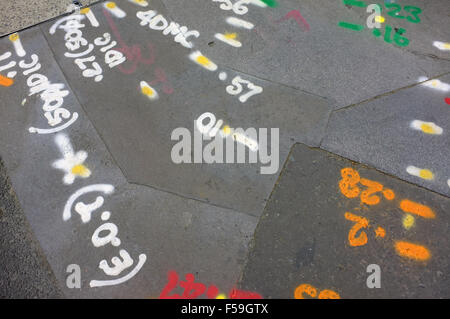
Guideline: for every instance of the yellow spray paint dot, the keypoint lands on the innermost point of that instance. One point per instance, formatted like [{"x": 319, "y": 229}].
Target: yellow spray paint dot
[
  {"x": 380, "y": 19},
  {"x": 426, "y": 128},
  {"x": 408, "y": 221},
  {"x": 221, "y": 296},
  {"x": 203, "y": 60},
  {"x": 111, "y": 5},
  {"x": 85, "y": 10},
  {"x": 14, "y": 37},
  {"x": 148, "y": 91},
  {"x": 230, "y": 35},
  {"x": 81, "y": 170},
  {"x": 226, "y": 130},
  {"x": 447, "y": 46},
  {"x": 426, "y": 174}
]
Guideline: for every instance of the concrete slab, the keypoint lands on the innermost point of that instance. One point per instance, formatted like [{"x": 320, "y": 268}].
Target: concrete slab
[
  {"x": 24, "y": 271},
  {"x": 74, "y": 195},
  {"x": 306, "y": 235},
  {"x": 301, "y": 45},
  {"x": 399, "y": 133},
  {"x": 138, "y": 131},
  {"x": 20, "y": 14}
]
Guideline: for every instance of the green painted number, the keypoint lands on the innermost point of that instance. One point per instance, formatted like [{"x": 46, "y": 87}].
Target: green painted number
[
  {"x": 415, "y": 11},
  {"x": 396, "y": 8}
]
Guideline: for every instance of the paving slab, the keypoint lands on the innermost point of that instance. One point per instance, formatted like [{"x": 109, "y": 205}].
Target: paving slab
[
  {"x": 301, "y": 45},
  {"x": 20, "y": 14},
  {"x": 24, "y": 271},
  {"x": 83, "y": 211},
  {"x": 138, "y": 131},
  {"x": 329, "y": 219},
  {"x": 405, "y": 134}
]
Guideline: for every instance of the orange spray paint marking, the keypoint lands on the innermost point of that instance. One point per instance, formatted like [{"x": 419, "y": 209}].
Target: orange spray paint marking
[
  {"x": 412, "y": 251},
  {"x": 312, "y": 292},
  {"x": 4, "y": 81},
  {"x": 305, "y": 288},
  {"x": 361, "y": 222},
  {"x": 348, "y": 184},
  {"x": 380, "y": 232},
  {"x": 416, "y": 209},
  {"x": 373, "y": 187},
  {"x": 389, "y": 194},
  {"x": 329, "y": 294}
]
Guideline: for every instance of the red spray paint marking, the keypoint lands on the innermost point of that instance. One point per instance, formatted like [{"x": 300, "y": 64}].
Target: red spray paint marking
[
  {"x": 134, "y": 55},
  {"x": 4, "y": 81},
  {"x": 447, "y": 100},
  {"x": 193, "y": 290},
  {"x": 240, "y": 294},
  {"x": 296, "y": 15}
]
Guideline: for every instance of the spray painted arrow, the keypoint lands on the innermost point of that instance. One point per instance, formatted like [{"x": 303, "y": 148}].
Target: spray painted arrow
[{"x": 296, "y": 15}]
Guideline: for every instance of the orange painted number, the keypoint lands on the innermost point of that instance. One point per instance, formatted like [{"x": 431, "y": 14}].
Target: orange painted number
[
  {"x": 360, "y": 222},
  {"x": 349, "y": 182},
  {"x": 312, "y": 292},
  {"x": 367, "y": 196}
]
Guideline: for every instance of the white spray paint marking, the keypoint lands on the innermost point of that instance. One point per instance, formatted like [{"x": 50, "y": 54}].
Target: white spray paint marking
[
  {"x": 258, "y": 3},
  {"x": 200, "y": 59},
  {"x": 448, "y": 183},
  {"x": 119, "y": 265},
  {"x": 239, "y": 23},
  {"x": 148, "y": 91},
  {"x": 90, "y": 16},
  {"x": 11, "y": 74},
  {"x": 15, "y": 39},
  {"x": 426, "y": 127},
  {"x": 102, "y": 283},
  {"x": 236, "y": 88},
  {"x": 71, "y": 163},
  {"x": 250, "y": 143},
  {"x": 85, "y": 210},
  {"x": 223, "y": 76},
  {"x": 435, "y": 84},
  {"x": 105, "y": 216},
  {"x": 141, "y": 3},
  {"x": 104, "y": 188},
  {"x": 98, "y": 241},
  {"x": 157, "y": 22},
  {"x": 8, "y": 66},
  {"x": 115, "y": 10},
  {"x": 419, "y": 172},
  {"x": 5, "y": 56},
  {"x": 233, "y": 42},
  {"x": 444, "y": 46},
  {"x": 56, "y": 129}
]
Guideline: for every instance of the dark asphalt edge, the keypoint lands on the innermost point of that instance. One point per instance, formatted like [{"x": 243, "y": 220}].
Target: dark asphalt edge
[{"x": 29, "y": 262}]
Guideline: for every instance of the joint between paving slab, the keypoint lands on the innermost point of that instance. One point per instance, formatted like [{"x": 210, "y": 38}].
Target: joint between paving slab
[{"x": 389, "y": 93}]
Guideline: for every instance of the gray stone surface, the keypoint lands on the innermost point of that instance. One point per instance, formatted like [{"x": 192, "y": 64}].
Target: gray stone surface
[
  {"x": 343, "y": 65},
  {"x": 302, "y": 237},
  {"x": 137, "y": 132},
  {"x": 379, "y": 133},
  {"x": 19, "y": 14},
  {"x": 24, "y": 271},
  {"x": 173, "y": 232},
  {"x": 201, "y": 218}
]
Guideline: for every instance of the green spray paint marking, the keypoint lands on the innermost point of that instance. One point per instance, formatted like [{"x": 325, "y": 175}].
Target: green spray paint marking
[
  {"x": 355, "y": 3},
  {"x": 270, "y": 3},
  {"x": 354, "y": 27}
]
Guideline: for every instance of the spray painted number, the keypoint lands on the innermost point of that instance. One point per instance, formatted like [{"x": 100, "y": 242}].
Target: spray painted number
[
  {"x": 396, "y": 9},
  {"x": 236, "y": 88}
]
